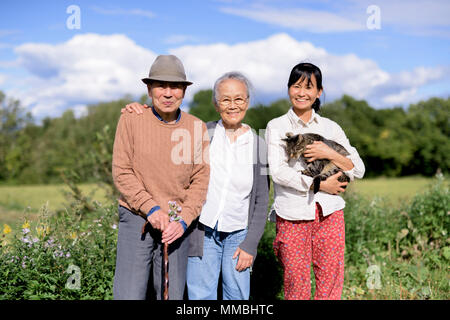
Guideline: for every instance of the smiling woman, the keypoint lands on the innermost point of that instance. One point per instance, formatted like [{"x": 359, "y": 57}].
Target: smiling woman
[
  {"x": 305, "y": 89},
  {"x": 232, "y": 105},
  {"x": 310, "y": 226}
]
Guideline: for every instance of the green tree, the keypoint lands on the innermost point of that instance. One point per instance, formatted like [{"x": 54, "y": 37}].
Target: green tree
[
  {"x": 202, "y": 106},
  {"x": 13, "y": 119},
  {"x": 381, "y": 137},
  {"x": 429, "y": 121},
  {"x": 258, "y": 116}
]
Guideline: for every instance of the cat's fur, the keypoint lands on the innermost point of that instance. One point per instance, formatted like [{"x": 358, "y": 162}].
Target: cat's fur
[{"x": 319, "y": 169}]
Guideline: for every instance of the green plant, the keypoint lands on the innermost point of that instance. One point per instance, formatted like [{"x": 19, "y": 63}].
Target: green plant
[{"x": 35, "y": 261}]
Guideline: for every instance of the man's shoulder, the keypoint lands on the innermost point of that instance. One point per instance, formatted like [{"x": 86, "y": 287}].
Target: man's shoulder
[
  {"x": 190, "y": 118},
  {"x": 132, "y": 117}
]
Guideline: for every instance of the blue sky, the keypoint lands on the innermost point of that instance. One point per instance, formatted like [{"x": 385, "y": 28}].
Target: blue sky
[{"x": 51, "y": 68}]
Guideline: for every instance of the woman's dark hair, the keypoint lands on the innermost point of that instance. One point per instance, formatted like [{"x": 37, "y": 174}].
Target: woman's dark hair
[{"x": 305, "y": 70}]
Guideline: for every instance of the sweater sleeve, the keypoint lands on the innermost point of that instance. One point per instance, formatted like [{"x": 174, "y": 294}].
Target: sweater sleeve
[
  {"x": 198, "y": 186},
  {"x": 261, "y": 184},
  {"x": 125, "y": 180}
]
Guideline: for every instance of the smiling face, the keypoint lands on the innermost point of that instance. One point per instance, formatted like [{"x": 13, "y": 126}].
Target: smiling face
[
  {"x": 303, "y": 93},
  {"x": 166, "y": 97},
  {"x": 232, "y": 102}
]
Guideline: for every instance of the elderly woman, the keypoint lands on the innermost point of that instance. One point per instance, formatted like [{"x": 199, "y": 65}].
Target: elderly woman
[
  {"x": 310, "y": 227},
  {"x": 232, "y": 220}
]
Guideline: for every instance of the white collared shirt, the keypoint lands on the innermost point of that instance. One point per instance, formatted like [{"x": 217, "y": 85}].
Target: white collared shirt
[
  {"x": 293, "y": 199},
  {"x": 230, "y": 182}
]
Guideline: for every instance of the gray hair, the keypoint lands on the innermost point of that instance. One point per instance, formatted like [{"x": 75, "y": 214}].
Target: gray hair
[{"x": 235, "y": 75}]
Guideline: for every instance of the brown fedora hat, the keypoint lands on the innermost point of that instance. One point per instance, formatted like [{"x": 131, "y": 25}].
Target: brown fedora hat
[{"x": 167, "y": 68}]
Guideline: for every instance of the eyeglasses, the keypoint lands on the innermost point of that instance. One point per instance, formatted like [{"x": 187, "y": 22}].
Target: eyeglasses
[{"x": 226, "y": 102}]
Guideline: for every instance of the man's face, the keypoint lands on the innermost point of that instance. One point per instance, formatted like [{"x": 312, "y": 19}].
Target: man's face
[{"x": 166, "y": 96}]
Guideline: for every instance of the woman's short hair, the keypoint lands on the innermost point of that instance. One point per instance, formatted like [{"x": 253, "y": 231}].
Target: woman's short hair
[
  {"x": 235, "y": 75},
  {"x": 302, "y": 71}
]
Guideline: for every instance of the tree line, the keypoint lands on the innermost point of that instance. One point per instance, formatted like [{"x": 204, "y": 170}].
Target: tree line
[{"x": 392, "y": 142}]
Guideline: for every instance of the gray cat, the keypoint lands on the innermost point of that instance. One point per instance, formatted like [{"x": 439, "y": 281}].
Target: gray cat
[{"x": 319, "y": 169}]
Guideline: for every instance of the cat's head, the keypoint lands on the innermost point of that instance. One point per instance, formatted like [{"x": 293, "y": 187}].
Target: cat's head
[{"x": 295, "y": 145}]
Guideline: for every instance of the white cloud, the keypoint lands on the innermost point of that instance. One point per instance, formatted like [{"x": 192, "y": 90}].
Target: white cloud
[
  {"x": 4, "y": 45},
  {"x": 400, "y": 97},
  {"x": 124, "y": 12},
  {"x": 2, "y": 79},
  {"x": 180, "y": 38},
  {"x": 315, "y": 21},
  {"x": 8, "y": 32},
  {"x": 419, "y": 17},
  {"x": 86, "y": 69},
  {"x": 418, "y": 13},
  {"x": 8, "y": 63},
  {"x": 80, "y": 110},
  {"x": 90, "y": 68},
  {"x": 403, "y": 86},
  {"x": 268, "y": 63}
]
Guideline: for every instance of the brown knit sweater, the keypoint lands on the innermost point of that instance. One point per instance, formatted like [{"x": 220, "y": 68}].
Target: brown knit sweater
[{"x": 155, "y": 162}]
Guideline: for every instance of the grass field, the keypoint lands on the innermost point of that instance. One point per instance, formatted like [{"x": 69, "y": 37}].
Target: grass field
[
  {"x": 392, "y": 190},
  {"x": 20, "y": 201}
]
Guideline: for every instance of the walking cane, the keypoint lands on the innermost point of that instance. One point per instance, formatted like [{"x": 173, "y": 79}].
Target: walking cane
[
  {"x": 166, "y": 271},
  {"x": 173, "y": 216}
]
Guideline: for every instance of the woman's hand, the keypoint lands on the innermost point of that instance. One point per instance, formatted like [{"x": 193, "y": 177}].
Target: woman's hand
[
  {"x": 134, "y": 107},
  {"x": 245, "y": 259},
  {"x": 332, "y": 185},
  {"x": 319, "y": 150}
]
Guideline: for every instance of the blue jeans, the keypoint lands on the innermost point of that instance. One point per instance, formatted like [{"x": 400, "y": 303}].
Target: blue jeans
[{"x": 203, "y": 272}]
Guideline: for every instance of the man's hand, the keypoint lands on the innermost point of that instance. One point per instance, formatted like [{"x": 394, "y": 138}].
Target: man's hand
[
  {"x": 159, "y": 220},
  {"x": 245, "y": 259},
  {"x": 134, "y": 107},
  {"x": 332, "y": 185},
  {"x": 173, "y": 232}
]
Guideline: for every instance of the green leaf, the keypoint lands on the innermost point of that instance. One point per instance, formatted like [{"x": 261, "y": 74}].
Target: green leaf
[
  {"x": 446, "y": 252},
  {"x": 402, "y": 233}
]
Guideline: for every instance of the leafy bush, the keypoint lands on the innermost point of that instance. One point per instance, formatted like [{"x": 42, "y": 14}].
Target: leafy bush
[
  {"x": 409, "y": 244},
  {"x": 60, "y": 257},
  {"x": 428, "y": 215}
]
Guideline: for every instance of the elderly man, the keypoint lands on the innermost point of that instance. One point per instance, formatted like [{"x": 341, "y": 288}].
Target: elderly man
[{"x": 157, "y": 159}]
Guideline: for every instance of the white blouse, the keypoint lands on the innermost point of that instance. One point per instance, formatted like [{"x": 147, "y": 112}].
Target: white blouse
[
  {"x": 293, "y": 199},
  {"x": 230, "y": 182}
]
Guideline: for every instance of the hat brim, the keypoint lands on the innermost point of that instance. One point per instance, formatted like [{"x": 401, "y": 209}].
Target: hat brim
[{"x": 166, "y": 79}]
